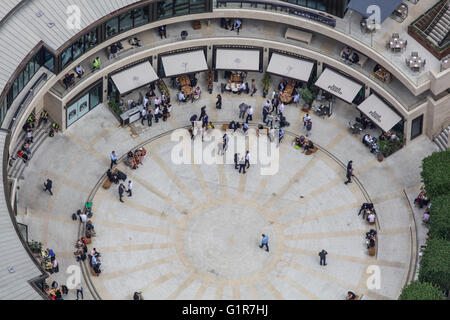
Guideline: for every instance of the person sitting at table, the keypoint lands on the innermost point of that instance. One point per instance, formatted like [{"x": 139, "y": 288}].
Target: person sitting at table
[
  {"x": 282, "y": 85},
  {"x": 79, "y": 70},
  {"x": 237, "y": 25},
  {"x": 354, "y": 58},
  {"x": 181, "y": 97},
  {"x": 235, "y": 87},
  {"x": 196, "y": 94},
  {"x": 367, "y": 139},
  {"x": 131, "y": 161},
  {"x": 346, "y": 53}
]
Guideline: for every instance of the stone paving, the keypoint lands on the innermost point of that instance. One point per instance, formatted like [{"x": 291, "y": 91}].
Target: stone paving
[{"x": 192, "y": 231}]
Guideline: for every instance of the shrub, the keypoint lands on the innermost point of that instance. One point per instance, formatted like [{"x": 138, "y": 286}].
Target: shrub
[
  {"x": 436, "y": 173},
  {"x": 388, "y": 147},
  {"x": 440, "y": 217},
  {"x": 417, "y": 290},
  {"x": 307, "y": 96},
  {"x": 114, "y": 106},
  {"x": 435, "y": 266}
]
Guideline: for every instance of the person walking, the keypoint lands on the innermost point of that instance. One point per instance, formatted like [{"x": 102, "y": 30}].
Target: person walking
[
  {"x": 130, "y": 188},
  {"x": 306, "y": 118},
  {"x": 265, "y": 112},
  {"x": 253, "y": 87},
  {"x": 322, "y": 255},
  {"x": 269, "y": 119},
  {"x": 349, "y": 172},
  {"x": 247, "y": 159},
  {"x": 249, "y": 114},
  {"x": 48, "y": 186},
  {"x": 308, "y": 128},
  {"x": 121, "y": 190},
  {"x": 236, "y": 160},
  {"x": 219, "y": 102},
  {"x": 242, "y": 164},
  {"x": 265, "y": 242},
  {"x": 113, "y": 159},
  {"x": 149, "y": 117},
  {"x": 80, "y": 291},
  {"x": 281, "y": 136}
]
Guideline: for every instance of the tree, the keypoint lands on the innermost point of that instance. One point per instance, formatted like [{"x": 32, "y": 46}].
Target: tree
[
  {"x": 435, "y": 266},
  {"x": 436, "y": 173},
  {"x": 417, "y": 290},
  {"x": 440, "y": 217}
]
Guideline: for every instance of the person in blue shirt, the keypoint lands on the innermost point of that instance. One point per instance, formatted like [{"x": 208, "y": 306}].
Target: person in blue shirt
[
  {"x": 51, "y": 254},
  {"x": 265, "y": 242}
]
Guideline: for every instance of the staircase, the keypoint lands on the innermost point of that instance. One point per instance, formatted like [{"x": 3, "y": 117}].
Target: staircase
[
  {"x": 39, "y": 136},
  {"x": 442, "y": 139},
  {"x": 439, "y": 28}
]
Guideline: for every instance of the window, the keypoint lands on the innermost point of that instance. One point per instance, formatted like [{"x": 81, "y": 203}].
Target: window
[
  {"x": 95, "y": 97},
  {"x": 140, "y": 16},
  {"x": 20, "y": 81},
  {"x": 66, "y": 56},
  {"x": 15, "y": 89},
  {"x": 312, "y": 4},
  {"x": 197, "y": 6},
  {"x": 170, "y": 8},
  {"x": 3, "y": 110},
  {"x": 181, "y": 7},
  {"x": 112, "y": 27},
  {"x": 49, "y": 61},
  {"x": 78, "y": 48},
  {"x": 26, "y": 74},
  {"x": 125, "y": 21},
  {"x": 165, "y": 9},
  {"x": 90, "y": 39},
  {"x": 416, "y": 127}
]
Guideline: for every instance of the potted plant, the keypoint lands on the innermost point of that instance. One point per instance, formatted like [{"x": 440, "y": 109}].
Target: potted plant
[
  {"x": 35, "y": 246},
  {"x": 114, "y": 105},
  {"x": 266, "y": 82},
  {"x": 209, "y": 80},
  {"x": 308, "y": 97}
]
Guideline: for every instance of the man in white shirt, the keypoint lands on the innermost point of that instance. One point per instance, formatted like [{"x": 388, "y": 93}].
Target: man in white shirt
[
  {"x": 79, "y": 70},
  {"x": 371, "y": 218},
  {"x": 249, "y": 114},
  {"x": 181, "y": 97},
  {"x": 83, "y": 217},
  {"x": 143, "y": 115},
  {"x": 281, "y": 109},
  {"x": 145, "y": 101},
  {"x": 157, "y": 101},
  {"x": 130, "y": 188},
  {"x": 157, "y": 114},
  {"x": 247, "y": 159},
  {"x": 306, "y": 118}
]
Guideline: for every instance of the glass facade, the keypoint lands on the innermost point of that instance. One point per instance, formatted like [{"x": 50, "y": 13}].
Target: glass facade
[
  {"x": 79, "y": 47},
  {"x": 313, "y": 4},
  {"x": 172, "y": 8},
  {"x": 85, "y": 103},
  {"x": 127, "y": 21}
]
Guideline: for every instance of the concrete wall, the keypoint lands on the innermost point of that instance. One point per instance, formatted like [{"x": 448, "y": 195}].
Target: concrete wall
[
  {"x": 55, "y": 109},
  {"x": 440, "y": 81},
  {"x": 438, "y": 115}
]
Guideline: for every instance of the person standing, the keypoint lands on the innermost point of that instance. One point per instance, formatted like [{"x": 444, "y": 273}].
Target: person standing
[
  {"x": 242, "y": 164},
  {"x": 113, "y": 51},
  {"x": 48, "y": 186},
  {"x": 157, "y": 112},
  {"x": 349, "y": 172},
  {"x": 80, "y": 291},
  {"x": 306, "y": 118},
  {"x": 162, "y": 31},
  {"x": 322, "y": 255},
  {"x": 249, "y": 114},
  {"x": 143, "y": 115},
  {"x": 265, "y": 242},
  {"x": 219, "y": 102},
  {"x": 149, "y": 117},
  {"x": 308, "y": 128},
  {"x": 121, "y": 190},
  {"x": 281, "y": 135},
  {"x": 113, "y": 159},
  {"x": 242, "y": 110},
  {"x": 247, "y": 159},
  {"x": 281, "y": 109},
  {"x": 224, "y": 143},
  {"x": 265, "y": 112},
  {"x": 130, "y": 188},
  {"x": 253, "y": 87},
  {"x": 269, "y": 119},
  {"x": 236, "y": 160}
]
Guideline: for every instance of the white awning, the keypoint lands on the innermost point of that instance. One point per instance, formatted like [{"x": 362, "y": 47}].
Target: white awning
[
  {"x": 338, "y": 85},
  {"x": 134, "y": 77},
  {"x": 379, "y": 112},
  {"x": 237, "y": 59},
  {"x": 290, "y": 67},
  {"x": 183, "y": 63}
]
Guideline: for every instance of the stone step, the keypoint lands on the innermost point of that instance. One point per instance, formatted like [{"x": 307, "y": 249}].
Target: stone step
[
  {"x": 441, "y": 140},
  {"x": 39, "y": 136},
  {"x": 444, "y": 137},
  {"x": 439, "y": 144}
]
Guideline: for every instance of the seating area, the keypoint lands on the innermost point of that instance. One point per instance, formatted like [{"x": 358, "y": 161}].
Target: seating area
[{"x": 352, "y": 56}]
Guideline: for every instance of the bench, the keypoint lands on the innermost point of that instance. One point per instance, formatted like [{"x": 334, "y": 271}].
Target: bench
[
  {"x": 372, "y": 250},
  {"x": 95, "y": 274},
  {"x": 311, "y": 151},
  {"x": 298, "y": 35}
]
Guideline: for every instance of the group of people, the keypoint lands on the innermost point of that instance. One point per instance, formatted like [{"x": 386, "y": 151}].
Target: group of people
[
  {"x": 162, "y": 107},
  {"x": 122, "y": 190},
  {"x": 49, "y": 261},
  {"x": 116, "y": 175},
  {"x": 231, "y": 24},
  {"x": 134, "y": 159},
  {"x": 350, "y": 55},
  {"x": 368, "y": 211},
  {"x": 273, "y": 111},
  {"x": 244, "y": 163},
  {"x": 422, "y": 200},
  {"x": 371, "y": 238},
  {"x": 56, "y": 292},
  {"x": 302, "y": 142}
]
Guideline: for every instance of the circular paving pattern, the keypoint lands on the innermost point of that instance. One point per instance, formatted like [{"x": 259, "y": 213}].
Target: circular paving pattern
[{"x": 193, "y": 231}]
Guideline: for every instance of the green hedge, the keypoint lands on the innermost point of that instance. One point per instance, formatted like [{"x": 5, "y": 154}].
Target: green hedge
[
  {"x": 435, "y": 263},
  {"x": 436, "y": 173},
  {"x": 440, "y": 218},
  {"x": 417, "y": 290}
]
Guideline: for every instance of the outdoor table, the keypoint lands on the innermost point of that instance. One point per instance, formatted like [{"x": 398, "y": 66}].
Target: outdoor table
[
  {"x": 236, "y": 78},
  {"x": 396, "y": 44},
  {"x": 415, "y": 63},
  {"x": 184, "y": 80},
  {"x": 187, "y": 91},
  {"x": 445, "y": 64}
]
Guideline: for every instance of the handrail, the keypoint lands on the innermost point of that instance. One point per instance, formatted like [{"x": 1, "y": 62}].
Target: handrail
[
  {"x": 29, "y": 94},
  {"x": 438, "y": 15}
]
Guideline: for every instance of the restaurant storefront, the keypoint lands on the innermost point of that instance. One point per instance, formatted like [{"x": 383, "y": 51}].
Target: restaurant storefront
[{"x": 84, "y": 102}]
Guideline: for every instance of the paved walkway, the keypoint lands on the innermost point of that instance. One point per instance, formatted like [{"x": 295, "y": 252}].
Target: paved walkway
[{"x": 192, "y": 231}]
